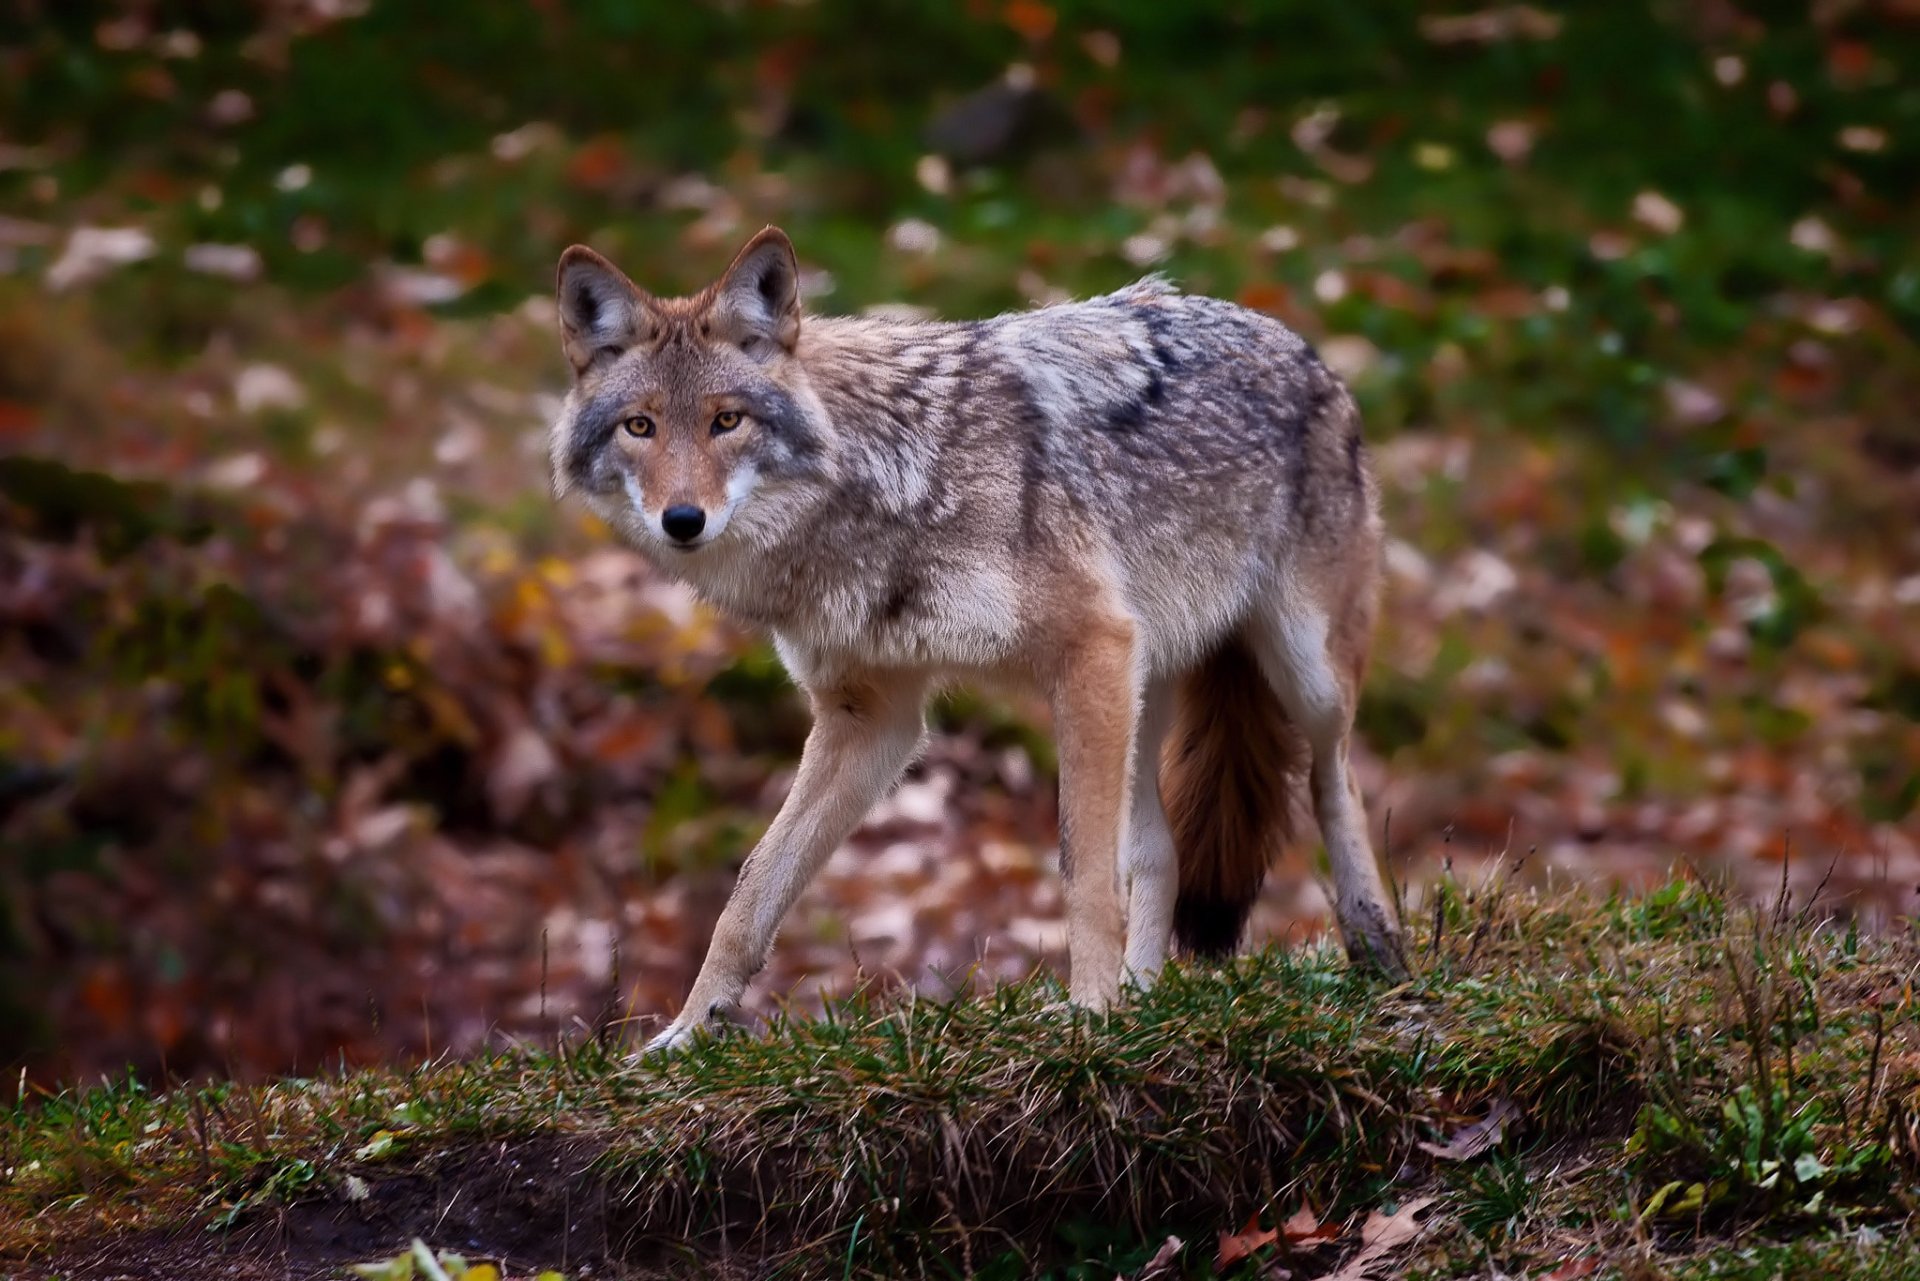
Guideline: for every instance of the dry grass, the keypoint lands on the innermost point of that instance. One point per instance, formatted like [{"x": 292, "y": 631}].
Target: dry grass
[{"x": 1681, "y": 1069}]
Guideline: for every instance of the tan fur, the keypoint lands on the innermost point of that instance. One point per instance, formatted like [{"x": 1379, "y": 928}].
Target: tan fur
[
  {"x": 1152, "y": 508},
  {"x": 1095, "y": 700},
  {"x": 865, "y": 729}
]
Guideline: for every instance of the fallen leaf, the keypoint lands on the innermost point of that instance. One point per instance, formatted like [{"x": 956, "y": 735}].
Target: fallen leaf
[
  {"x": 1573, "y": 1269},
  {"x": 262, "y": 387},
  {"x": 1470, "y": 1141},
  {"x": 1235, "y": 1246},
  {"x": 1691, "y": 1198},
  {"x": 92, "y": 252},
  {"x": 1304, "y": 1228},
  {"x": 1033, "y": 20},
  {"x": 231, "y": 262},
  {"x": 1491, "y": 26},
  {"x": 1380, "y": 1236},
  {"x": 1162, "y": 1261},
  {"x": 400, "y": 1269},
  {"x": 1657, "y": 213},
  {"x": 382, "y": 1143}
]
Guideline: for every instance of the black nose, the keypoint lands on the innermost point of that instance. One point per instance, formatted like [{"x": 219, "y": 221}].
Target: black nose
[{"x": 683, "y": 523}]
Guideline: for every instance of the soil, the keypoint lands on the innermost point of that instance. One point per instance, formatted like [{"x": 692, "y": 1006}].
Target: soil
[{"x": 526, "y": 1206}]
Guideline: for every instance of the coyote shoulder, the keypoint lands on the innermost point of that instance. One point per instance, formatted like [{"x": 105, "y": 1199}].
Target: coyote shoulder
[{"x": 1153, "y": 507}]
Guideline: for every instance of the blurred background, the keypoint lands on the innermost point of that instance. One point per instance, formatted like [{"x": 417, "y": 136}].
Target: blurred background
[{"x": 327, "y": 736}]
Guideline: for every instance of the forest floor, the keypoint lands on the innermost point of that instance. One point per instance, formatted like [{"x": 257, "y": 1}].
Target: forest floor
[{"x": 1667, "y": 1085}]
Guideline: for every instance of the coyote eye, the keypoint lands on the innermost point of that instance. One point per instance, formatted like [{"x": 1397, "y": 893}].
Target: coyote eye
[
  {"x": 725, "y": 421},
  {"x": 639, "y": 425}
]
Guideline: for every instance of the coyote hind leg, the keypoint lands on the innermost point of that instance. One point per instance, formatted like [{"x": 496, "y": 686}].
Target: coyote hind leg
[
  {"x": 1148, "y": 862},
  {"x": 1296, "y": 642}
]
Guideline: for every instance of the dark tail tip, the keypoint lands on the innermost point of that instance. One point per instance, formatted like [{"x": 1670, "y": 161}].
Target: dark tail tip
[{"x": 1209, "y": 927}]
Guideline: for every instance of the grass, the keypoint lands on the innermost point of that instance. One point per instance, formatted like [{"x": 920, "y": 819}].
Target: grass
[{"x": 1702, "y": 1090}]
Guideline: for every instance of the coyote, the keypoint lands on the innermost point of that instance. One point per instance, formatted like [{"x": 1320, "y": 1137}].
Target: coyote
[{"x": 1153, "y": 507}]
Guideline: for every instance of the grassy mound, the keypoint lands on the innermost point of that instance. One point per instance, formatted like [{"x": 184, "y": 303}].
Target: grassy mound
[{"x": 1639, "y": 1081}]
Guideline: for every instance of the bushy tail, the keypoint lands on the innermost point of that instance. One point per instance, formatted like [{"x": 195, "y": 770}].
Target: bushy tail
[{"x": 1228, "y": 778}]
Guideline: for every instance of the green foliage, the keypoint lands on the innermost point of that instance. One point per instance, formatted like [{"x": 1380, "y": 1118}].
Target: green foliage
[
  {"x": 119, "y": 515},
  {"x": 1751, "y": 1156},
  {"x": 1493, "y": 1199}
]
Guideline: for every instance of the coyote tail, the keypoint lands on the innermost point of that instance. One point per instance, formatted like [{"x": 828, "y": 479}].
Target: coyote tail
[{"x": 1228, "y": 776}]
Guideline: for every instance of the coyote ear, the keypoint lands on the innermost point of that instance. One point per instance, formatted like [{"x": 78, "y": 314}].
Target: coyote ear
[
  {"x": 757, "y": 301},
  {"x": 601, "y": 311}
]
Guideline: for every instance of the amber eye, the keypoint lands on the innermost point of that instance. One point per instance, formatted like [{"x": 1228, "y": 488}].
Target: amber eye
[
  {"x": 725, "y": 421},
  {"x": 639, "y": 425}
]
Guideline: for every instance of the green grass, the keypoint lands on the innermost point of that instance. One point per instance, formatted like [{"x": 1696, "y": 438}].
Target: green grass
[{"x": 1687, "y": 1076}]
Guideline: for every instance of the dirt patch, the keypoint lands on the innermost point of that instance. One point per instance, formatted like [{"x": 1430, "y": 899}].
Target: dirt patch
[{"x": 529, "y": 1205}]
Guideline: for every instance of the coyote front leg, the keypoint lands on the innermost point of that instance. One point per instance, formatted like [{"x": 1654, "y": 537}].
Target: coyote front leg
[
  {"x": 1096, "y": 705},
  {"x": 864, "y": 732}
]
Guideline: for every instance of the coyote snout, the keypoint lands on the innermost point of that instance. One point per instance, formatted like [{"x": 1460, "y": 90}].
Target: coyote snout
[
  {"x": 683, "y": 523},
  {"x": 1155, "y": 508}
]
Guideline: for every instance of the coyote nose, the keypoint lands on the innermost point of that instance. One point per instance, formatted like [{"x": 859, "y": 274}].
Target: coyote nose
[{"x": 683, "y": 523}]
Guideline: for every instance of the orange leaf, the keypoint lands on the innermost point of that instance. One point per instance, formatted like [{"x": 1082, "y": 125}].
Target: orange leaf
[
  {"x": 1031, "y": 19},
  {"x": 108, "y": 997},
  {"x": 17, "y": 419},
  {"x": 598, "y": 163},
  {"x": 1235, "y": 1246},
  {"x": 1573, "y": 1269},
  {"x": 1263, "y": 296}
]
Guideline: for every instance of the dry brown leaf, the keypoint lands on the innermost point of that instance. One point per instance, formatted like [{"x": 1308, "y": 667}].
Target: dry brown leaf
[
  {"x": 1573, "y": 1269},
  {"x": 1380, "y": 1237},
  {"x": 1305, "y": 1228},
  {"x": 1161, "y": 1264},
  {"x": 1235, "y": 1246},
  {"x": 1470, "y": 1141}
]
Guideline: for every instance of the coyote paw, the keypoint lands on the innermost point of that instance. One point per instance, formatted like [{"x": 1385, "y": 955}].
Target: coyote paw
[
  {"x": 681, "y": 1032},
  {"x": 1382, "y": 954},
  {"x": 1072, "y": 1010},
  {"x": 1373, "y": 938},
  {"x": 675, "y": 1038}
]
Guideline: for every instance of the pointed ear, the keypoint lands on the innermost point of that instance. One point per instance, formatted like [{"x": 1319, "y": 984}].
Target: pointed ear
[
  {"x": 757, "y": 301},
  {"x": 601, "y": 311}
]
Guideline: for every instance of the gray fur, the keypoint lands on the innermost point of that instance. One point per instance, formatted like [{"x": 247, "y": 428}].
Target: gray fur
[
  {"x": 936, "y": 455},
  {"x": 1106, "y": 499}
]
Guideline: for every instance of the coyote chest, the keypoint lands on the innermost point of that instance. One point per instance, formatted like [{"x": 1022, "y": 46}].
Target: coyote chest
[{"x": 870, "y": 604}]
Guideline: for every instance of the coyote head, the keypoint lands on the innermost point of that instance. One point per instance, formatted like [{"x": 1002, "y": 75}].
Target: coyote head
[{"x": 688, "y": 416}]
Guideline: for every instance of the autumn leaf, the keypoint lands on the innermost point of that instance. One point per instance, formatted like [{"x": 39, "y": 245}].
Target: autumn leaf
[
  {"x": 17, "y": 419},
  {"x": 1235, "y": 1246},
  {"x": 1470, "y": 1141},
  {"x": 1304, "y": 1228},
  {"x": 1031, "y": 19},
  {"x": 1380, "y": 1236},
  {"x": 1161, "y": 1264}
]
